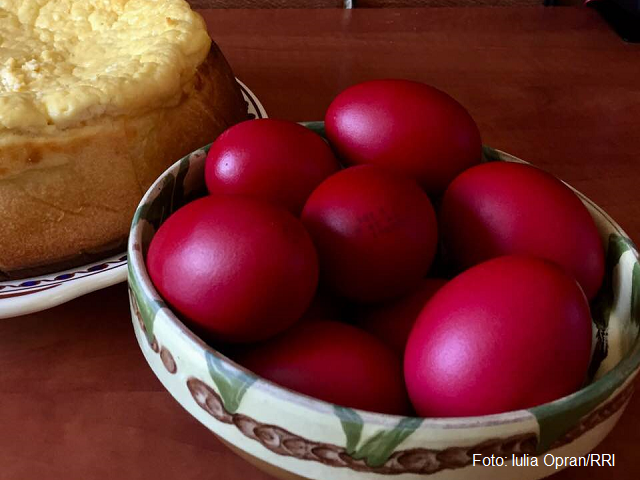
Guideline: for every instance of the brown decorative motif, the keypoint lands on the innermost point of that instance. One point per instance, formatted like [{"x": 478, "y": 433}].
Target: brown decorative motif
[
  {"x": 596, "y": 417},
  {"x": 136, "y": 310},
  {"x": 168, "y": 360},
  {"x": 208, "y": 400},
  {"x": 417, "y": 460}
]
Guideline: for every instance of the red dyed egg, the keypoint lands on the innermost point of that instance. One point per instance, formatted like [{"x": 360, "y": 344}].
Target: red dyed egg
[
  {"x": 392, "y": 322},
  {"x": 408, "y": 126},
  {"x": 375, "y": 232},
  {"x": 273, "y": 160},
  {"x": 334, "y": 362},
  {"x": 503, "y": 208},
  {"x": 507, "y": 334},
  {"x": 240, "y": 269}
]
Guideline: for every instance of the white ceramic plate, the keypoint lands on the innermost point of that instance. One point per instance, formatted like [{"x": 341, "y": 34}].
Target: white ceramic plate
[{"x": 29, "y": 295}]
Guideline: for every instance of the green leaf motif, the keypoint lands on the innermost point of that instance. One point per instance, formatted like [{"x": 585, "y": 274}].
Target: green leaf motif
[
  {"x": 489, "y": 154},
  {"x": 557, "y": 419},
  {"x": 317, "y": 127},
  {"x": 379, "y": 447},
  {"x": 351, "y": 425},
  {"x": 232, "y": 383},
  {"x": 177, "y": 193},
  {"x": 171, "y": 196},
  {"x": 147, "y": 307},
  {"x": 635, "y": 294},
  {"x": 141, "y": 212},
  {"x": 193, "y": 186},
  {"x": 602, "y": 304},
  {"x": 157, "y": 210},
  {"x": 618, "y": 245}
]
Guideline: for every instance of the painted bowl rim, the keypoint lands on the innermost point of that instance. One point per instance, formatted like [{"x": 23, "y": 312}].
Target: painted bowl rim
[{"x": 613, "y": 379}]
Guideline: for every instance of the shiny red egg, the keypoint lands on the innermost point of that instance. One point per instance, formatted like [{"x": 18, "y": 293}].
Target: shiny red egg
[
  {"x": 406, "y": 126},
  {"x": 375, "y": 232},
  {"x": 503, "y": 208},
  {"x": 239, "y": 269},
  {"x": 510, "y": 333},
  {"x": 273, "y": 160}
]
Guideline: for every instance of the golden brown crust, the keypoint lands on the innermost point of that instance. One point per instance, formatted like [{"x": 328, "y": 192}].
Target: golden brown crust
[{"x": 68, "y": 197}]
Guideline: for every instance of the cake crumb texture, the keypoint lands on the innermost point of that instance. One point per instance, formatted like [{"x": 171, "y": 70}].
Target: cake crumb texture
[{"x": 63, "y": 62}]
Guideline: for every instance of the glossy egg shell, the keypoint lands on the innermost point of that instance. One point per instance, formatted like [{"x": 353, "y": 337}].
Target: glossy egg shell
[
  {"x": 507, "y": 334},
  {"x": 239, "y": 269},
  {"x": 273, "y": 160},
  {"x": 503, "y": 208},
  {"x": 375, "y": 232},
  {"x": 408, "y": 126}
]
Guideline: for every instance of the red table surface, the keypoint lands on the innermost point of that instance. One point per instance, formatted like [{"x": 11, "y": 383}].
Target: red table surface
[{"x": 554, "y": 86}]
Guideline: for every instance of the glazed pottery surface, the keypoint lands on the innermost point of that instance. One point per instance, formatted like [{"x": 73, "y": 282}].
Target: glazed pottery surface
[{"x": 297, "y": 435}]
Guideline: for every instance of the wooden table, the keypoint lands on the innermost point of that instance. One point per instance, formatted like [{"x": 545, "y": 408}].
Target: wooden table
[{"x": 554, "y": 86}]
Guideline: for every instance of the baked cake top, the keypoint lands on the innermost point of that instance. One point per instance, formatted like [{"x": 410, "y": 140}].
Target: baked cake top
[{"x": 64, "y": 62}]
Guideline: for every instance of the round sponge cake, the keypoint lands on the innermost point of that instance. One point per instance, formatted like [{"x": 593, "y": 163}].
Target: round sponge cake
[{"x": 97, "y": 98}]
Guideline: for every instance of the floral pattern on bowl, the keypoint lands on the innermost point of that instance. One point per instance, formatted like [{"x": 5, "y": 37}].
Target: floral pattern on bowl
[{"x": 314, "y": 439}]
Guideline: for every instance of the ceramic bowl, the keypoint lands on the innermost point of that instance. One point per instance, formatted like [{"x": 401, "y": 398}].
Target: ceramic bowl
[{"x": 294, "y": 436}]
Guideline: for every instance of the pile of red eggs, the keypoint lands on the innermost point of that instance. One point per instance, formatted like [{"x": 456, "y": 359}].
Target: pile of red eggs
[{"x": 347, "y": 285}]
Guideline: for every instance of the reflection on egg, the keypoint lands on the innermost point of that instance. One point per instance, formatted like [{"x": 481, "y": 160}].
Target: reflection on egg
[
  {"x": 273, "y": 160},
  {"x": 507, "y": 334},
  {"x": 406, "y": 126},
  {"x": 240, "y": 269}
]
